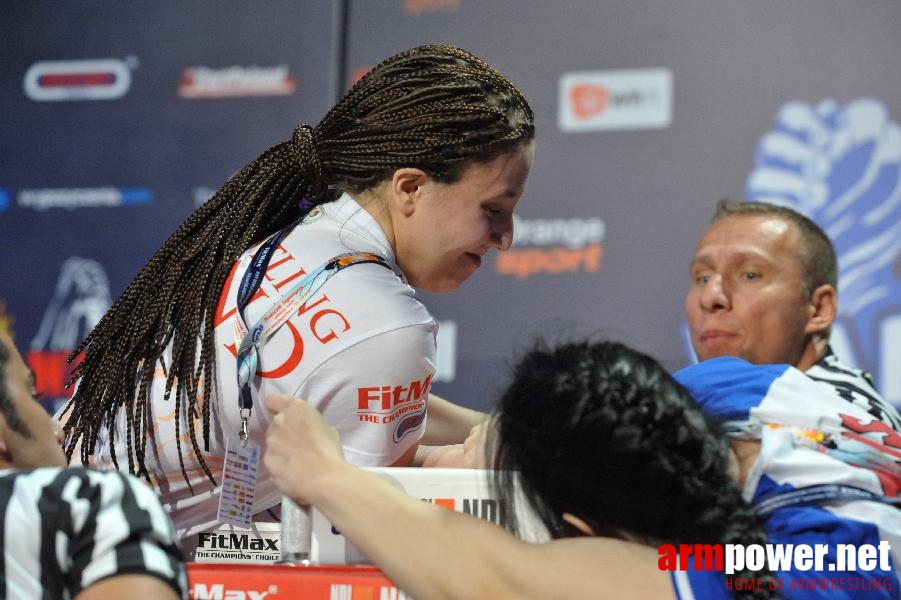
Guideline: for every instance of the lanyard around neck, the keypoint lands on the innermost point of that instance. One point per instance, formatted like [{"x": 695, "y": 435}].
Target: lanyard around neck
[{"x": 287, "y": 304}]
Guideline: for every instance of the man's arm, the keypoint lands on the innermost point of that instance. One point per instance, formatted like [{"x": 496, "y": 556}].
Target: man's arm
[{"x": 432, "y": 552}]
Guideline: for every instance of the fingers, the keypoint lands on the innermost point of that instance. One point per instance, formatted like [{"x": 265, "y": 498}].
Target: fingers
[
  {"x": 476, "y": 439},
  {"x": 280, "y": 402},
  {"x": 300, "y": 445},
  {"x": 445, "y": 456},
  {"x": 474, "y": 447},
  {"x": 297, "y": 428}
]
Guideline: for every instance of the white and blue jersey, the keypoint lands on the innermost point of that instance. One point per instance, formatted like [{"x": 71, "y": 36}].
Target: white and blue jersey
[{"x": 810, "y": 436}]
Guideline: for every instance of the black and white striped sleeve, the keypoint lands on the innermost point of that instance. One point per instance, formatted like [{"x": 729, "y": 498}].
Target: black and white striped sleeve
[
  {"x": 75, "y": 527},
  {"x": 855, "y": 386}
]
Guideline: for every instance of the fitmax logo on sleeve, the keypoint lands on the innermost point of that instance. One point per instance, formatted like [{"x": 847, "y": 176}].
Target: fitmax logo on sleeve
[
  {"x": 100, "y": 79},
  {"x": 599, "y": 100}
]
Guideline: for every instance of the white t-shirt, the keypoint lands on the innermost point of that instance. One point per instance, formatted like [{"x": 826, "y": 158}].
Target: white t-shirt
[{"x": 362, "y": 349}]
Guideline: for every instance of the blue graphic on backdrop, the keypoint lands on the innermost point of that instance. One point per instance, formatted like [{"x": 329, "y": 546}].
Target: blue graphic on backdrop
[
  {"x": 74, "y": 198},
  {"x": 839, "y": 165}
]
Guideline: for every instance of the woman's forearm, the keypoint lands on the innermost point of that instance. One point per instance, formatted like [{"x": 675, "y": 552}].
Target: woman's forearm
[{"x": 449, "y": 423}]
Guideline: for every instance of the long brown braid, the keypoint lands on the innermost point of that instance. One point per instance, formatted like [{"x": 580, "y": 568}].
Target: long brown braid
[{"x": 432, "y": 107}]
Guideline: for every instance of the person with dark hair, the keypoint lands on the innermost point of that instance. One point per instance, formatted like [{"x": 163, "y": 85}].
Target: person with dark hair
[
  {"x": 73, "y": 532},
  {"x": 764, "y": 281},
  {"x": 613, "y": 455},
  {"x": 410, "y": 179}
]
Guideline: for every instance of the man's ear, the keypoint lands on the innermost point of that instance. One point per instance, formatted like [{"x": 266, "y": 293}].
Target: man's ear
[
  {"x": 579, "y": 524},
  {"x": 823, "y": 307},
  {"x": 406, "y": 188}
]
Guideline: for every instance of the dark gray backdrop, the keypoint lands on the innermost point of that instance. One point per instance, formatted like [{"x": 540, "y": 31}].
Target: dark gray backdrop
[{"x": 733, "y": 66}]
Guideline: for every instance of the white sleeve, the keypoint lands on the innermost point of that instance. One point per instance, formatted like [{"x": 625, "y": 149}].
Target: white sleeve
[{"x": 375, "y": 393}]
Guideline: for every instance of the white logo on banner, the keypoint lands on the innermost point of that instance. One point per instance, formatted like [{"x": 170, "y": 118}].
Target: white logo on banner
[
  {"x": 81, "y": 298},
  {"x": 72, "y": 198},
  {"x": 599, "y": 100},
  {"x": 101, "y": 79},
  {"x": 205, "y": 82}
]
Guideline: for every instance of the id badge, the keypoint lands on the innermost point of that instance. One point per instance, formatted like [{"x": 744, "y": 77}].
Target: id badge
[{"x": 239, "y": 482}]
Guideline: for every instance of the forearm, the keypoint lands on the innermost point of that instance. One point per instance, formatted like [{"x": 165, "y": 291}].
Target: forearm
[
  {"x": 431, "y": 552},
  {"x": 449, "y": 423},
  {"x": 451, "y": 456}
]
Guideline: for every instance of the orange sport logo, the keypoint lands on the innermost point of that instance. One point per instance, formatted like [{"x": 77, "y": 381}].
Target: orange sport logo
[{"x": 553, "y": 247}]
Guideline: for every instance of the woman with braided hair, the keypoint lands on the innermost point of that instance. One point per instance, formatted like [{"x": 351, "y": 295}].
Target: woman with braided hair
[
  {"x": 614, "y": 456},
  {"x": 410, "y": 179}
]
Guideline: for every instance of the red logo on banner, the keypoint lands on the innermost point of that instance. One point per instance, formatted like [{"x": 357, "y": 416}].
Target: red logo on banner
[
  {"x": 101, "y": 79},
  {"x": 359, "y": 73},
  {"x": 588, "y": 100},
  {"x": 51, "y": 372},
  {"x": 416, "y": 7}
]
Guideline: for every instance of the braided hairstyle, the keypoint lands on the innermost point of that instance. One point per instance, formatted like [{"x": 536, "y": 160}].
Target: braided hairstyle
[
  {"x": 437, "y": 108},
  {"x": 603, "y": 432}
]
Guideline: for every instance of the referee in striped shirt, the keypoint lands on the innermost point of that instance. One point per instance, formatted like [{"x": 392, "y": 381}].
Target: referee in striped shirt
[{"x": 73, "y": 533}]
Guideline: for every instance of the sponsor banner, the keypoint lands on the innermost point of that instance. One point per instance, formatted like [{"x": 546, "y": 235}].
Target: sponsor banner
[
  {"x": 463, "y": 490},
  {"x": 207, "y": 581},
  {"x": 553, "y": 246},
  {"x": 233, "y": 81},
  {"x": 233, "y": 544},
  {"x": 417, "y": 7},
  {"x": 601, "y": 100},
  {"x": 72, "y": 198},
  {"x": 99, "y": 79}
]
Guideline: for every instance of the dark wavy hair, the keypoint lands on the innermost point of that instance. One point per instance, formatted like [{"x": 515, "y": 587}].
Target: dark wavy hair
[
  {"x": 437, "y": 108},
  {"x": 603, "y": 432}
]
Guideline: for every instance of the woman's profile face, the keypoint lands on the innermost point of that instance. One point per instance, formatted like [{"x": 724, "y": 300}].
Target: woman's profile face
[{"x": 453, "y": 226}]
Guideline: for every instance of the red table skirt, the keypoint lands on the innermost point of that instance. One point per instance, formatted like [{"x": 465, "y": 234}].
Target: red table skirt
[{"x": 212, "y": 581}]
